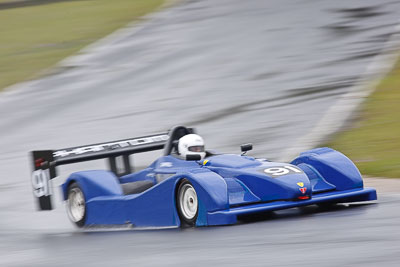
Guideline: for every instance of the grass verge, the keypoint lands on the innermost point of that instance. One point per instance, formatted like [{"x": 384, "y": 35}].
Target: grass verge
[
  {"x": 34, "y": 38},
  {"x": 374, "y": 142}
]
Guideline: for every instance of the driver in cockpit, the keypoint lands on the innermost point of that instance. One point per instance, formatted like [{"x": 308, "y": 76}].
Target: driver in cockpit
[{"x": 191, "y": 144}]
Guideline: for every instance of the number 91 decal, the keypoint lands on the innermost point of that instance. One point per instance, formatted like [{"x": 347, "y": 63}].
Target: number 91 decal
[
  {"x": 281, "y": 170},
  {"x": 41, "y": 183}
]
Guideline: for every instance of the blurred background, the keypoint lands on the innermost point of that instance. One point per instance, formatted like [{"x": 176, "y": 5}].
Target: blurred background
[{"x": 286, "y": 76}]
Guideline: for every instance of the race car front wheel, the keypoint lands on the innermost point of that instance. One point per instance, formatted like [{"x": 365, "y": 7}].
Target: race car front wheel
[
  {"x": 187, "y": 203},
  {"x": 76, "y": 206}
]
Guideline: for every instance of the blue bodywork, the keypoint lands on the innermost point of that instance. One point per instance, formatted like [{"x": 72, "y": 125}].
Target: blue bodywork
[{"x": 226, "y": 185}]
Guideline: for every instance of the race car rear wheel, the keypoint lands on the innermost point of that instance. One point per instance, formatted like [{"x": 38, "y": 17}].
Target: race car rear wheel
[
  {"x": 187, "y": 203},
  {"x": 76, "y": 206}
]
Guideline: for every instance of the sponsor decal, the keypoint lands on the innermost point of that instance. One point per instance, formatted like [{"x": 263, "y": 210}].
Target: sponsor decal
[
  {"x": 205, "y": 162},
  {"x": 303, "y": 190},
  {"x": 166, "y": 164},
  {"x": 111, "y": 146},
  {"x": 301, "y": 184}
]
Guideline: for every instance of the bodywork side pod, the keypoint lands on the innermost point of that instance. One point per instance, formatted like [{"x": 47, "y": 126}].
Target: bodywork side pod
[
  {"x": 94, "y": 183},
  {"x": 334, "y": 167}
]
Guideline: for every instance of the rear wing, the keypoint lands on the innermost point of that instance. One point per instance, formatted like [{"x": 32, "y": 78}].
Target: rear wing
[{"x": 45, "y": 161}]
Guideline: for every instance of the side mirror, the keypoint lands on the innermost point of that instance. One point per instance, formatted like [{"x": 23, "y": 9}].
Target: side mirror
[
  {"x": 246, "y": 147},
  {"x": 193, "y": 157}
]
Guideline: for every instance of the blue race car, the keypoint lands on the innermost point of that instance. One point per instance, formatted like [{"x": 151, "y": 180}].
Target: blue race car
[{"x": 197, "y": 191}]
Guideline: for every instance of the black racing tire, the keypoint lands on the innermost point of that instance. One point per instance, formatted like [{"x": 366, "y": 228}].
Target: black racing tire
[
  {"x": 76, "y": 205},
  {"x": 187, "y": 203}
]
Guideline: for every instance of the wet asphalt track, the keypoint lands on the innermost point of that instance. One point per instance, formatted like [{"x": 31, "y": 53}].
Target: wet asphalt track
[{"x": 240, "y": 71}]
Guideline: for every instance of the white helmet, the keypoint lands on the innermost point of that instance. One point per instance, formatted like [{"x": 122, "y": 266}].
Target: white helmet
[{"x": 191, "y": 144}]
